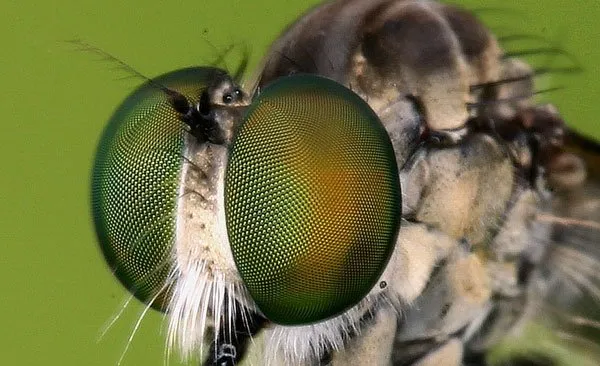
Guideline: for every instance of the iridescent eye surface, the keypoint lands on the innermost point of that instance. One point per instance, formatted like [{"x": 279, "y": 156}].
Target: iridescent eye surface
[
  {"x": 135, "y": 182},
  {"x": 312, "y": 199}
]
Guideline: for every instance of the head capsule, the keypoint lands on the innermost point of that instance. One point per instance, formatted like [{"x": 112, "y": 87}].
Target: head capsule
[{"x": 311, "y": 194}]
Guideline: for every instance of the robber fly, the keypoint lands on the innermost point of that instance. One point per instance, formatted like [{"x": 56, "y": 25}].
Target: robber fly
[{"x": 386, "y": 191}]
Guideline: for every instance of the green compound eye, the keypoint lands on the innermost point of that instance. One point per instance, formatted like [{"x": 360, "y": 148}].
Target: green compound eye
[
  {"x": 312, "y": 199},
  {"x": 135, "y": 182}
]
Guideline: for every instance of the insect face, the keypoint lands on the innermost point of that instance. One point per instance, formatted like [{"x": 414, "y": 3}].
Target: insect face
[
  {"x": 203, "y": 202},
  {"x": 277, "y": 216}
]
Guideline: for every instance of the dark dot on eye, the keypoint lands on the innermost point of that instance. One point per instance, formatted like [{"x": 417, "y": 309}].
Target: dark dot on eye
[
  {"x": 444, "y": 311},
  {"x": 227, "y": 98},
  {"x": 382, "y": 284},
  {"x": 465, "y": 244}
]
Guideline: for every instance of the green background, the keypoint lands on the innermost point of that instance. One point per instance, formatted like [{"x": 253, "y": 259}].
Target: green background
[{"x": 56, "y": 291}]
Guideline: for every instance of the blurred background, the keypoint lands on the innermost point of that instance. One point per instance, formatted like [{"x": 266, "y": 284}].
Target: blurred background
[{"x": 57, "y": 293}]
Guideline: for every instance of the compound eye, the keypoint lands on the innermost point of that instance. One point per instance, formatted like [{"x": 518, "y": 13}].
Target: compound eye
[
  {"x": 312, "y": 199},
  {"x": 135, "y": 182}
]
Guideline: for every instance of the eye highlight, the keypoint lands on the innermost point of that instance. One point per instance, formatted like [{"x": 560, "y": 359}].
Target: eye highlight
[
  {"x": 135, "y": 182},
  {"x": 312, "y": 199}
]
